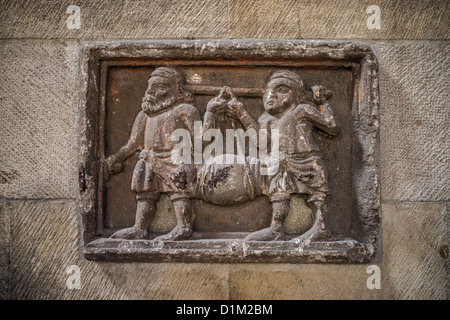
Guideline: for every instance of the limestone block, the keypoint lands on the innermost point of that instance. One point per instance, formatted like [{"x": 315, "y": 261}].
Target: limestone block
[
  {"x": 410, "y": 266},
  {"x": 299, "y": 282},
  {"x": 415, "y": 153},
  {"x": 38, "y": 122},
  {"x": 45, "y": 235},
  {"x": 318, "y": 19},
  {"x": 328, "y": 19},
  {"x": 114, "y": 19},
  {"x": 265, "y": 19},
  {"x": 45, "y": 242},
  {"x": 404, "y": 19}
]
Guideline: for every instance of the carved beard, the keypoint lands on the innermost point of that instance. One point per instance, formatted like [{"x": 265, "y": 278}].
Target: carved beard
[{"x": 152, "y": 107}]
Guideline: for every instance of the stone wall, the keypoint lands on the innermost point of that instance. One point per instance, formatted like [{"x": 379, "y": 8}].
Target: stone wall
[{"x": 40, "y": 229}]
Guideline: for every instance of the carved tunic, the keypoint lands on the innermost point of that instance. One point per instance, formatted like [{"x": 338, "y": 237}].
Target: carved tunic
[
  {"x": 155, "y": 171},
  {"x": 301, "y": 168}
]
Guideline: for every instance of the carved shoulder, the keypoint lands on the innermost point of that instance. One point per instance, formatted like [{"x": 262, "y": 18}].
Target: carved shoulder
[
  {"x": 187, "y": 109},
  {"x": 304, "y": 106},
  {"x": 189, "y": 114},
  {"x": 324, "y": 121},
  {"x": 265, "y": 118},
  {"x": 303, "y": 111}
]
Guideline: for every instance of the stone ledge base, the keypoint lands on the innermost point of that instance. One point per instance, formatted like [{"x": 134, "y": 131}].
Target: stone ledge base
[{"x": 228, "y": 251}]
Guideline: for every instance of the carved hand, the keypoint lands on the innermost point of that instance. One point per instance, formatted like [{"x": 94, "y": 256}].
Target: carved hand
[
  {"x": 219, "y": 103},
  {"x": 113, "y": 165},
  {"x": 320, "y": 94},
  {"x": 235, "y": 109}
]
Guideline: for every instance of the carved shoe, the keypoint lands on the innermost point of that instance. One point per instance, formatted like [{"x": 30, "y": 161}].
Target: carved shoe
[
  {"x": 267, "y": 234},
  {"x": 177, "y": 233},
  {"x": 131, "y": 233},
  {"x": 316, "y": 233}
]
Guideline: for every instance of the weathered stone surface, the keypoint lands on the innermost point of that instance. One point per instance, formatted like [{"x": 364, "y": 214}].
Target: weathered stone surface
[
  {"x": 357, "y": 107},
  {"x": 44, "y": 242},
  {"x": 414, "y": 19},
  {"x": 299, "y": 282},
  {"x": 115, "y": 19},
  {"x": 325, "y": 19},
  {"x": 4, "y": 251},
  {"x": 265, "y": 19},
  {"x": 40, "y": 138},
  {"x": 411, "y": 266},
  {"x": 38, "y": 123},
  {"x": 414, "y": 120}
]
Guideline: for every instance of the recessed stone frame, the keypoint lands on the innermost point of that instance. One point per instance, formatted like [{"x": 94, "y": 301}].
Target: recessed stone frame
[{"x": 357, "y": 224}]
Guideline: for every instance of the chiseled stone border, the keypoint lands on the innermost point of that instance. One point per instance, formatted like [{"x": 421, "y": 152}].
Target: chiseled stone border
[{"x": 365, "y": 173}]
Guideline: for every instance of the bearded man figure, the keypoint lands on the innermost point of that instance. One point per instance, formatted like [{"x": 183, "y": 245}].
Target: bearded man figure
[{"x": 163, "y": 111}]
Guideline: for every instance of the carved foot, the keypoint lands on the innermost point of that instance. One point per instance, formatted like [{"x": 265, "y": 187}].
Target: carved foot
[
  {"x": 316, "y": 233},
  {"x": 131, "y": 233},
  {"x": 267, "y": 234},
  {"x": 177, "y": 233}
]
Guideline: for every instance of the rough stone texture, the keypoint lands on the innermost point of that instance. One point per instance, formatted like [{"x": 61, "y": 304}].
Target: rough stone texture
[
  {"x": 305, "y": 19},
  {"x": 414, "y": 120},
  {"x": 327, "y": 55},
  {"x": 411, "y": 267},
  {"x": 4, "y": 252},
  {"x": 44, "y": 242},
  {"x": 45, "y": 235},
  {"x": 38, "y": 92},
  {"x": 325, "y": 19},
  {"x": 414, "y": 148},
  {"x": 300, "y": 282},
  {"x": 265, "y": 19},
  {"x": 403, "y": 19},
  {"x": 115, "y": 19}
]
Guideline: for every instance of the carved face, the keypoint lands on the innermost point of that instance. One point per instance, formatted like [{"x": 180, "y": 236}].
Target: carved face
[
  {"x": 279, "y": 95},
  {"x": 161, "y": 94}
]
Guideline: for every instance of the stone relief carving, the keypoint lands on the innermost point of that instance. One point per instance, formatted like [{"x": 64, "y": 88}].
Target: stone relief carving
[
  {"x": 234, "y": 162},
  {"x": 163, "y": 112},
  {"x": 300, "y": 166}
]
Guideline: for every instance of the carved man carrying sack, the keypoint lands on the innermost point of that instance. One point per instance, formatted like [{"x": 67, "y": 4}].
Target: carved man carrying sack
[
  {"x": 163, "y": 112},
  {"x": 301, "y": 168}
]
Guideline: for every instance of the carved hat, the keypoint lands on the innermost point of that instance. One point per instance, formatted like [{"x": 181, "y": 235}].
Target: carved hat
[
  {"x": 171, "y": 74},
  {"x": 292, "y": 76}
]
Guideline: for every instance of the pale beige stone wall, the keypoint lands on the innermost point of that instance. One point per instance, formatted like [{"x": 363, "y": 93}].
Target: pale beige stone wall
[{"x": 39, "y": 228}]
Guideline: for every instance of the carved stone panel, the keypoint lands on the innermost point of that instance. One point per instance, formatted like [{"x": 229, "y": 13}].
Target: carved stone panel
[{"x": 229, "y": 151}]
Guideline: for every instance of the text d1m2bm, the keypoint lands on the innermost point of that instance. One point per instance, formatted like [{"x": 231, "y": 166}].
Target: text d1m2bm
[{"x": 247, "y": 309}]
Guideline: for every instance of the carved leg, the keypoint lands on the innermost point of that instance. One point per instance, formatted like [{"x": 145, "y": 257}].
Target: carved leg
[
  {"x": 144, "y": 213},
  {"x": 183, "y": 229},
  {"x": 275, "y": 232},
  {"x": 319, "y": 230}
]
